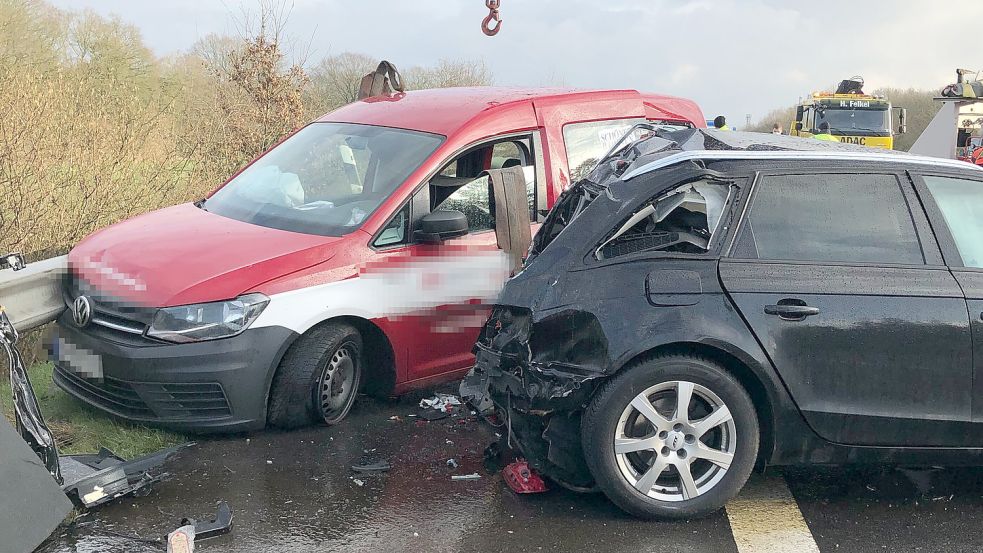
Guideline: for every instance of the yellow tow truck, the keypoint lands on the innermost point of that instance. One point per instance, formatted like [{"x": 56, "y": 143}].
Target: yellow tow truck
[{"x": 853, "y": 116}]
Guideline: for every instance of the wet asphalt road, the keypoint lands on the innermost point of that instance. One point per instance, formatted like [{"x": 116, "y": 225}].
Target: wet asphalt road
[{"x": 294, "y": 492}]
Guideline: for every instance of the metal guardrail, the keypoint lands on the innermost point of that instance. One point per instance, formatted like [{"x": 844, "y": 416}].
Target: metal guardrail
[{"x": 32, "y": 296}]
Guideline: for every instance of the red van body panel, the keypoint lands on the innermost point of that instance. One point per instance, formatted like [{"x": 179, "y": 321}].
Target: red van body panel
[{"x": 416, "y": 294}]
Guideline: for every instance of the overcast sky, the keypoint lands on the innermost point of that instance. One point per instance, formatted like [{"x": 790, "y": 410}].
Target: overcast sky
[{"x": 734, "y": 57}]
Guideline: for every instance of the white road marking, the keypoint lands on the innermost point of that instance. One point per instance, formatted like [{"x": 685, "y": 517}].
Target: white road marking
[{"x": 765, "y": 518}]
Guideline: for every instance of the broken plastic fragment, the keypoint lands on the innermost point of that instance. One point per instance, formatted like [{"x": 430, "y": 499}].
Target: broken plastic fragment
[
  {"x": 472, "y": 476},
  {"x": 522, "y": 479},
  {"x": 95, "y": 495}
]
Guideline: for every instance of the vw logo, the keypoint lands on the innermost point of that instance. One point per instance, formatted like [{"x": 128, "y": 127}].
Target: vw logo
[{"x": 81, "y": 311}]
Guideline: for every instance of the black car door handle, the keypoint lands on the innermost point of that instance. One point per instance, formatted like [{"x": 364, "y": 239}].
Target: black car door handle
[{"x": 791, "y": 311}]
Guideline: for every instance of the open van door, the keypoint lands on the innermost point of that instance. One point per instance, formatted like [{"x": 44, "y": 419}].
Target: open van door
[{"x": 511, "y": 212}]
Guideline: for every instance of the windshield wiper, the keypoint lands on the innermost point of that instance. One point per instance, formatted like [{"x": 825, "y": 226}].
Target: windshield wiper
[{"x": 861, "y": 129}]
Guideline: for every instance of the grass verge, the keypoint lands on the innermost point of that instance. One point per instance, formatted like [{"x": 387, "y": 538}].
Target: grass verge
[{"x": 80, "y": 429}]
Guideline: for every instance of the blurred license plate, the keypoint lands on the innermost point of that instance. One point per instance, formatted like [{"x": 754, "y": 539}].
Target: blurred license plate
[{"x": 78, "y": 360}]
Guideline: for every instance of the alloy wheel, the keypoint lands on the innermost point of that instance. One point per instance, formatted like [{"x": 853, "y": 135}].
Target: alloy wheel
[{"x": 675, "y": 441}]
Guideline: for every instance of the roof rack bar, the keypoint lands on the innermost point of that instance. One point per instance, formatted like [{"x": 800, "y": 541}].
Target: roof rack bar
[{"x": 795, "y": 155}]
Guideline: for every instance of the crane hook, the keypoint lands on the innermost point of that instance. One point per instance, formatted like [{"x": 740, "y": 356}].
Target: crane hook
[{"x": 486, "y": 27}]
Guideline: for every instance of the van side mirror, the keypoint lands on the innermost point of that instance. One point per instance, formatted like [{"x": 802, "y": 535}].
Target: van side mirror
[
  {"x": 441, "y": 225},
  {"x": 798, "y": 125}
]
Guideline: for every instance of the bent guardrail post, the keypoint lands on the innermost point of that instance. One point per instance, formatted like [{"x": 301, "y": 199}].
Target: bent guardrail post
[{"x": 32, "y": 296}]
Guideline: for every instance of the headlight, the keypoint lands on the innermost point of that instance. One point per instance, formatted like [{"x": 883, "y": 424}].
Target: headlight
[{"x": 207, "y": 321}]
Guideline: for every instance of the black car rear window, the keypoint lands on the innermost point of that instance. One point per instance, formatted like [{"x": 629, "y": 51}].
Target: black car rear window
[{"x": 830, "y": 217}]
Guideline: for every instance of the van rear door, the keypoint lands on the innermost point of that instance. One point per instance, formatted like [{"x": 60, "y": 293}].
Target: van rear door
[{"x": 556, "y": 113}]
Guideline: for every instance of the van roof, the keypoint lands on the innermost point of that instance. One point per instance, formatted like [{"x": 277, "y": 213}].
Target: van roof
[{"x": 445, "y": 110}]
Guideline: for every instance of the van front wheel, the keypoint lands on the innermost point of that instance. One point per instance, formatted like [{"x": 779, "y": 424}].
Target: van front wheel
[{"x": 318, "y": 378}]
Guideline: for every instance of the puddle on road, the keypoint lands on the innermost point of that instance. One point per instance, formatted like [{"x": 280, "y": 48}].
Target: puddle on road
[
  {"x": 306, "y": 499},
  {"x": 295, "y": 492}
]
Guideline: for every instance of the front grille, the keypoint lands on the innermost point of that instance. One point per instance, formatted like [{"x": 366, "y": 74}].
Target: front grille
[
  {"x": 164, "y": 401},
  {"x": 117, "y": 323}
]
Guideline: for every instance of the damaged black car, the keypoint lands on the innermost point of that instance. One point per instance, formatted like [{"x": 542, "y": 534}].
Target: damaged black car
[{"x": 706, "y": 302}]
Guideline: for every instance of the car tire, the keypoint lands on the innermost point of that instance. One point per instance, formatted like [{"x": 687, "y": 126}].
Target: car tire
[
  {"x": 612, "y": 417},
  {"x": 318, "y": 378}
]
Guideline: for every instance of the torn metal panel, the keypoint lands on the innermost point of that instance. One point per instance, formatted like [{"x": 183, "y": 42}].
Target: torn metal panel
[
  {"x": 551, "y": 341},
  {"x": 27, "y": 414}
]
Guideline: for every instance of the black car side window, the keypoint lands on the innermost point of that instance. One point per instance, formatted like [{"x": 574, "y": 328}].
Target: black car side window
[
  {"x": 829, "y": 217},
  {"x": 961, "y": 204},
  {"x": 684, "y": 220}
]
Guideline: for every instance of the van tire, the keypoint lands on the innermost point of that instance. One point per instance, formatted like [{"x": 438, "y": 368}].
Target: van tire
[
  {"x": 294, "y": 391},
  {"x": 601, "y": 420}
]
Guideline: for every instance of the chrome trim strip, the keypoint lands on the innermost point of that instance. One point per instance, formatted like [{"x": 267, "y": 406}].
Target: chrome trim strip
[
  {"x": 797, "y": 155},
  {"x": 115, "y": 326}
]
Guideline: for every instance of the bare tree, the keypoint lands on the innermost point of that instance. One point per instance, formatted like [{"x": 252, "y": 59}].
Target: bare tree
[
  {"x": 448, "y": 73},
  {"x": 334, "y": 81},
  {"x": 215, "y": 51}
]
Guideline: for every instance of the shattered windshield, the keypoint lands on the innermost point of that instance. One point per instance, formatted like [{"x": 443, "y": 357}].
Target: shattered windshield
[
  {"x": 326, "y": 179},
  {"x": 683, "y": 219}
]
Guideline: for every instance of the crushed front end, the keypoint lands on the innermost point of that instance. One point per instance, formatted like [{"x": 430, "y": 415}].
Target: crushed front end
[{"x": 538, "y": 402}]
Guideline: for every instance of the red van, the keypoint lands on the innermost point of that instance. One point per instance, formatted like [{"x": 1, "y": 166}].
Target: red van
[{"x": 355, "y": 255}]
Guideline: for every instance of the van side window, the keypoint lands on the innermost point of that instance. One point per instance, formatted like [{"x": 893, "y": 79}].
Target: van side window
[
  {"x": 587, "y": 142},
  {"x": 517, "y": 153},
  {"x": 473, "y": 199},
  {"x": 683, "y": 220},
  {"x": 830, "y": 217},
  {"x": 961, "y": 204},
  {"x": 460, "y": 185},
  {"x": 395, "y": 231}
]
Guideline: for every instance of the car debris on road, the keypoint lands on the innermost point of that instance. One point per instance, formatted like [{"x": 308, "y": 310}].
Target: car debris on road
[
  {"x": 440, "y": 402},
  {"x": 522, "y": 479},
  {"x": 373, "y": 467}
]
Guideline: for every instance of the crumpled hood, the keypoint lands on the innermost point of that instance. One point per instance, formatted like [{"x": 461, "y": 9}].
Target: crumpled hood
[{"x": 183, "y": 254}]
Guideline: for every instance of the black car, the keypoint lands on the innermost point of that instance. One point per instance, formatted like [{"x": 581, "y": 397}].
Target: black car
[{"x": 707, "y": 302}]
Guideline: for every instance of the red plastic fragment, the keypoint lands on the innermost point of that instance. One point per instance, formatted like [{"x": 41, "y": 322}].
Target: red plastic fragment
[{"x": 522, "y": 479}]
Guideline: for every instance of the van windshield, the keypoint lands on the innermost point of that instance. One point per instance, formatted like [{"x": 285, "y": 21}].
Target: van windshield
[{"x": 326, "y": 179}]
